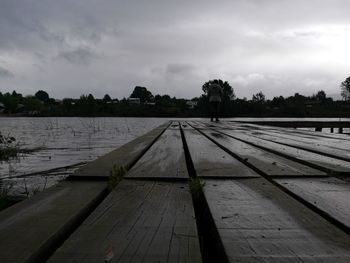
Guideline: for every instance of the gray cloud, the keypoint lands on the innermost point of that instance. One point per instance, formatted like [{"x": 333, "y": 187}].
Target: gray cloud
[
  {"x": 279, "y": 47},
  {"x": 4, "y": 73},
  {"x": 179, "y": 68},
  {"x": 80, "y": 56}
]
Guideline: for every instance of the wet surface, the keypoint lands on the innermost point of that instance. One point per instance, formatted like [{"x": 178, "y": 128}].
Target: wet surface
[
  {"x": 283, "y": 213},
  {"x": 270, "y": 164},
  {"x": 211, "y": 161},
  {"x": 141, "y": 221},
  {"x": 166, "y": 158},
  {"x": 259, "y": 223},
  {"x": 322, "y": 161},
  {"x": 328, "y": 194},
  {"x": 63, "y": 142}
]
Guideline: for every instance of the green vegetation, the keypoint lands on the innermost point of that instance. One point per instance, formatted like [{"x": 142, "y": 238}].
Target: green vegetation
[
  {"x": 196, "y": 186},
  {"x": 142, "y": 103},
  {"x": 116, "y": 174},
  {"x": 8, "y": 147}
]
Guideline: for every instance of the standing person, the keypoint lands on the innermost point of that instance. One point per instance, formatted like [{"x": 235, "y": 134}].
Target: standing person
[{"x": 214, "y": 94}]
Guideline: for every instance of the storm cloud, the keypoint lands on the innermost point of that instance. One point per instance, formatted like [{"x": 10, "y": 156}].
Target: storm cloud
[{"x": 69, "y": 48}]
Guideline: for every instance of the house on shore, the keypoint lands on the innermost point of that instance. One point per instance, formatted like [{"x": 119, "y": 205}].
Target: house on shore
[
  {"x": 134, "y": 100},
  {"x": 191, "y": 104}
]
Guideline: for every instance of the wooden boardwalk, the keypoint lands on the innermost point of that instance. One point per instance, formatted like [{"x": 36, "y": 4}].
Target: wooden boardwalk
[{"x": 195, "y": 191}]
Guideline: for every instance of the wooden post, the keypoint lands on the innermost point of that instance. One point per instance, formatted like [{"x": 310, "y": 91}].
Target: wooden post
[
  {"x": 341, "y": 130},
  {"x": 318, "y": 129},
  {"x": 332, "y": 130}
]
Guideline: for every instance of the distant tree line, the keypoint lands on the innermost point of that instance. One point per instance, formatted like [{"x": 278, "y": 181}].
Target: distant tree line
[{"x": 142, "y": 103}]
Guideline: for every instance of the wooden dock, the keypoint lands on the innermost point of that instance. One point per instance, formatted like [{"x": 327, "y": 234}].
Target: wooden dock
[
  {"x": 317, "y": 125},
  {"x": 195, "y": 191}
]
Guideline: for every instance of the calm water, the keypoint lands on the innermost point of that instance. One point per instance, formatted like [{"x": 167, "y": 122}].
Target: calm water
[{"x": 63, "y": 142}]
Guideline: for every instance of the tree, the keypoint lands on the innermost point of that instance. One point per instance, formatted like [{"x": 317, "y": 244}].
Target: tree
[
  {"x": 33, "y": 104},
  {"x": 277, "y": 101},
  {"x": 16, "y": 95},
  {"x": 68, "y": 104},
  {"x": 107, "y": 98},
  {"x": 321, "y": 96},
  {"x": 142, "y": 93},
  {"x": 228, "y": 92},
  {"x": 42, "y": 95},
  {"x": 10, "y": 102},
  {"x": 166, "y": 101},
  {"x": 90, "y": 98},
  {"x": 345, "y": 89},
  {"x": 298, "y": 99},
  {"x": 259, "y": 97},
  {"x": 86, "y": 105}
]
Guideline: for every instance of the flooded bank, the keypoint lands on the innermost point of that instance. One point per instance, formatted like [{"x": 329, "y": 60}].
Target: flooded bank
[{"x": 58, "y": 146}]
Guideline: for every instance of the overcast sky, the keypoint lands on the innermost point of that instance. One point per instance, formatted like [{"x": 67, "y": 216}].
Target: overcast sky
[{"x": 74, "y": 47}]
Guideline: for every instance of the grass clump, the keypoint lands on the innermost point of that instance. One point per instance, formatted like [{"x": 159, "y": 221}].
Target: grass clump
[
  {"x": 116, "y": 174},
  {"x": 8, "y": 147},
  {"x": 196, "y": 187}
]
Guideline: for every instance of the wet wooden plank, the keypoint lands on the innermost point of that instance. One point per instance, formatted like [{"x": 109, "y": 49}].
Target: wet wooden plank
[
  {"x": 123, "y": 156},
  {"x": 185, "y": 126},
  {"x": 211, "y": 161},
  {"x": 140, "y": 221},
  {"x": 32, "y": 228},
  {"x": 174, "y": 125},
  {"x": 337, "y": 148},
  {"x": 165, "y": 159},
  {"x": 257, "y": 222},
  {"x": 335, "y": 145},
  {"x": 302, "y": 133},
  {"x": 330, "y": 195},
  {"x": 197, "y": 124},
  {"x": 271, "y": 164},
  {"x": 330, "y": 164},
  {"x": 298, "y": 123},
  {"x": 211, "y": 125}
]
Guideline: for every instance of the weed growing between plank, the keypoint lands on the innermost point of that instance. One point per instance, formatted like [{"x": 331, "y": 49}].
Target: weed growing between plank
[
  {"x": 116, "y": 174},
  {"x": 8, "y": 147},
  {"x": 196, "y": 186}
]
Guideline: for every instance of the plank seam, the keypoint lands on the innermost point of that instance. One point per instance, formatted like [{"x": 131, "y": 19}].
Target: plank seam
[
  {"x": 312, "y": 165},
  {"x": 127, "y": 167},
  {"x": 50, "y": 246},
  {"x": 309, "y": 205},
  {"x": 212, "y": 248},
  {"x": 306, "y": 149}
]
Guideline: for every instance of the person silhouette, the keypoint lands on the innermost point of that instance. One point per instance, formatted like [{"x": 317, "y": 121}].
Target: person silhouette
[{"x": 214, "y": 94}]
